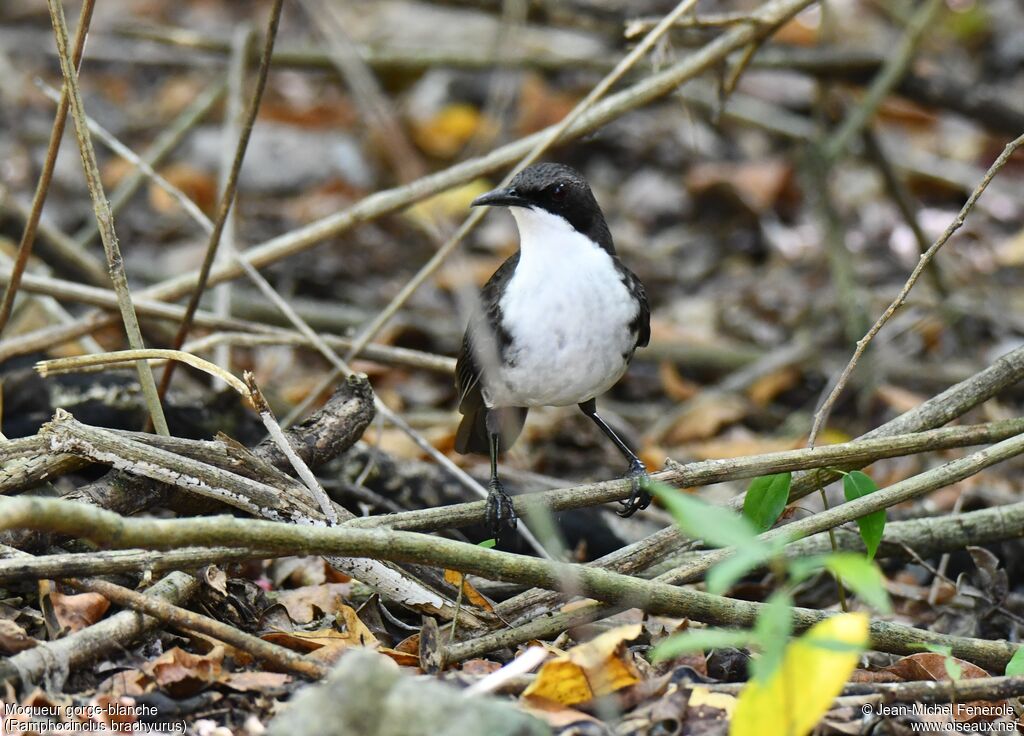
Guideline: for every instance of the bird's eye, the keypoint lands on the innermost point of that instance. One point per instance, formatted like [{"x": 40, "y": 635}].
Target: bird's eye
[{"x": 558, "y": 192}]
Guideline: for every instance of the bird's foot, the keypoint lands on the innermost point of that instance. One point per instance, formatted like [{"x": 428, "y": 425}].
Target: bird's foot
[
  {"x": 639, "y": 498},
  {"x": 500, "y": 515}
]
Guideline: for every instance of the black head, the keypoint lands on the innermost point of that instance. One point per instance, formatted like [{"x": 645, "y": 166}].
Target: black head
[{"x": 558, "y": 189}]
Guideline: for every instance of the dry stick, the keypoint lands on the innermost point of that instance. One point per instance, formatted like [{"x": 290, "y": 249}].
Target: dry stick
[
  {"x": 228, "y": 196},
  {"x": 257, "y": 333},
  {"x": 384, "y": 202},
  {"x": 248, "y": 390},
  {"x": 28, "y": 235},
  {"x": 887, "y": 78},
  {"x": 14, "y": 568},
  {"x": 708, "y": 472},
  {"x": 231, "y": 128},
  {"x": 183, "y": 619},
  {"x": 281, "y": 440},
  {"x": 105, "y": 527},
  {"x": 104, "y": 218},
  {"x": 124, "y": 451},
  {"x": 926, "y": 537},
  {"x": 822, "y": 414},
  {"x": 923, "y": 537},
  {"x": 93, "y": 642}
]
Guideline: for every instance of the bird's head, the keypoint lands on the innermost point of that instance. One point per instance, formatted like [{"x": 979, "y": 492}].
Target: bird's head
[{"x": 553, "y": 189}]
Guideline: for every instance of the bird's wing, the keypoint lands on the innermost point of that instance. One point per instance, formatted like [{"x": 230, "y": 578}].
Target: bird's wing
[
  {"x": 642, "y": 323},
  {"x": 467, "y": 368}
]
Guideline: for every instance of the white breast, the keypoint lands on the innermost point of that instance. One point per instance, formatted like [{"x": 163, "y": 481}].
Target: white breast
[{"x": 568, "y": 314}]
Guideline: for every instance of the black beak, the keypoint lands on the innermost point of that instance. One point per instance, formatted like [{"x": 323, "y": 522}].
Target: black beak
[{"x": 506, "y": 197}]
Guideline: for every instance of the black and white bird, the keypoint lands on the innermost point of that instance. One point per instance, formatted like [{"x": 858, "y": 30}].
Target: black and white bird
[{"x": 558, "y": 324}]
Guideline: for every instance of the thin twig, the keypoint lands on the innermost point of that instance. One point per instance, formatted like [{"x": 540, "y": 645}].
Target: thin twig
[
  {"x": 822, "y": 414},
  {"x": 115, "y": 263},
  {"x": 28, "y": 235}
]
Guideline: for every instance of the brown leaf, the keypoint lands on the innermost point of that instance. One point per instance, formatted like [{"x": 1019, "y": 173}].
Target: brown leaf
[
  {"x": 469, "y": 593},
  {"x": 75, "y": 612},
  {"x": 675, "y": 386},
  {"x": 13, "y": 638},
  {"x": 758, "y": 184},
  {"x": 764, "y": 390},
  {"x": 598, "y": 667},
  {"x": 180, "y": 673},
  {"x": 705, "y": 415},
  {"x": 931, "y": 666},
  {"x": 199, "y": 185},
  {"x": 301, "y": 603}
]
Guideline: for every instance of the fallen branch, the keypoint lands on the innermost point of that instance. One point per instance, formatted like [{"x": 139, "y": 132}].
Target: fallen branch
[
  {"x": 53, "y": 660},
  {"x": 108, "y": 528}
]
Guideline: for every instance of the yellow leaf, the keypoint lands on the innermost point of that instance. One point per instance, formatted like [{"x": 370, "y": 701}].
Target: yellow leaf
[
  {"x": 446, "y": 133},
  {"x": 813, "y": 671},
  {"x": 598, "y": 667},
  {"x": 449, "y": 203}
]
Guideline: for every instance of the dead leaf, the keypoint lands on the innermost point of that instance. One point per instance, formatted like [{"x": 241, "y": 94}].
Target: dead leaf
[
  {"x": 447, "y": 132},
  {"x": 13, "y": 638},
  {"x": 705, "y": 415},
  {"x": 931, "y": 666},
  {"x": 759, "y": 184},
  {"x": 764, "y": 390},
  {"x": 199, "y": 185},
  {"x": 469, "y": 593},
  {"x": 302, "y": 603},
  {"x": 675, "y": 386},
  {"x": 180, "y": 673},
  {"x": 328, "y": 644},
  {"x": 255, "y": 681},
  {"x": 75, "y": 612},
  {"x": 601, "y": 666}
]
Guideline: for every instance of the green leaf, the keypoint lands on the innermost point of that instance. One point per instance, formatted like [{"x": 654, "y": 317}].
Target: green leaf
[
  {"x": 747, "y": 557},
  {"x": 862, "y": 577},
  {"x": 1016, "y": 664},
  {"x": 766, "y": 499},
  {"x": 487, "y": 543},
  {"x": 718, "y": 527},
  {"x": 855, "y": 485},
  {"x": 771, "y": 634},
  {"x": 699, "y": 640}
]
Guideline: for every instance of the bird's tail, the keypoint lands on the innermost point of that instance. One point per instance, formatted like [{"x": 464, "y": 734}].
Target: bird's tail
[{"x": 472, "y": 435}]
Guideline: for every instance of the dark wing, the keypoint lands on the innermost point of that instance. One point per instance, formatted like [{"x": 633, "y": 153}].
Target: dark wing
[
  {"x": 642, "y": 324},
  {"x": 467, "y": 369},
  {"x": 472, "y": 434}
]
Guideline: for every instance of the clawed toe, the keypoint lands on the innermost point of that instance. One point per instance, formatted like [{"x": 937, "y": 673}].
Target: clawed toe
[
  {"x": 639, "y": 498},
  {"x": 501, "y": 514}
]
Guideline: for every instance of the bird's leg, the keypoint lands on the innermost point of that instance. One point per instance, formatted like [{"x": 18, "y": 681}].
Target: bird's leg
[
  {"x": 500, "y": 515},
  {"x": 639, "y": 498}
]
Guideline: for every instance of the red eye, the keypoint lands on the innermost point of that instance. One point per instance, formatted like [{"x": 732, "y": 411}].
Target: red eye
[{"x": 558, "y": 192}]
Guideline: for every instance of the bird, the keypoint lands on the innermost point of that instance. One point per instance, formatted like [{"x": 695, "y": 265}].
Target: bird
[{"x": 557, "y": 324}]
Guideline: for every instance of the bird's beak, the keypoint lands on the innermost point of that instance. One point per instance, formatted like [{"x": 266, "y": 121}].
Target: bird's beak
[{"x": 504, "y": 197}]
